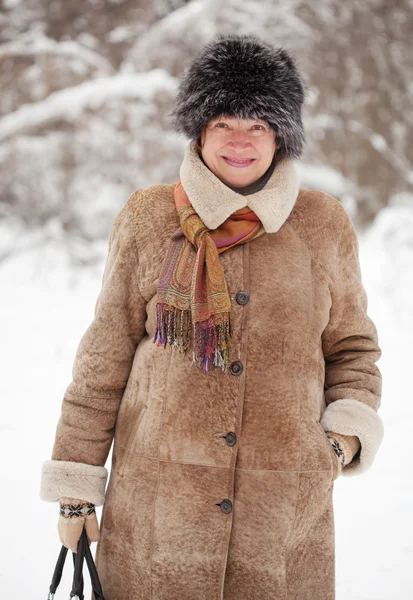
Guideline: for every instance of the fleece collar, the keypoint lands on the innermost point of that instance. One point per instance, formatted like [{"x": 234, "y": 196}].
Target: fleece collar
[{"x": 215, "y": 202}]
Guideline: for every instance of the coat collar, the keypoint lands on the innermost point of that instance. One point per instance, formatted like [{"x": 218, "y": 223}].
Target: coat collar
[{"x": 215, "y": 202}]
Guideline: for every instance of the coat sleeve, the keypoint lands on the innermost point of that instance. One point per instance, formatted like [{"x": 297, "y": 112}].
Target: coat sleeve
[
  {"x": 353, "y": 382},
  {"x": 100, "y": 373}
]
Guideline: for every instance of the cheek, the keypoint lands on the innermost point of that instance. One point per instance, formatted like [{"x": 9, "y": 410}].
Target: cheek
[
  {"x": 212, "y": 150},
  {"x": 267, "y": 151}
]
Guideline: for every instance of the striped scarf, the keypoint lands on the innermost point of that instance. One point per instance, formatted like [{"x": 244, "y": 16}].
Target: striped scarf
[{"x": 194, "y": 302}]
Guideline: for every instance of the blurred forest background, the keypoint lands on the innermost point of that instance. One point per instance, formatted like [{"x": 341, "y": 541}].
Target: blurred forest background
[{"x": 87, "y": 87}]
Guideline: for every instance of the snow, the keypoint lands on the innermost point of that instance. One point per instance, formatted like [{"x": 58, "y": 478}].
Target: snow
[
  {"x": 35, "y": 45},
  {"x": 68, "y": 104},
  {"x": 334, "y": 182},
  {"x": 47, "y": 305}
]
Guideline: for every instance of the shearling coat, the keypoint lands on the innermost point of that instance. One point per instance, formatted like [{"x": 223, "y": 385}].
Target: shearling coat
[{"x": 221, "y": 483}]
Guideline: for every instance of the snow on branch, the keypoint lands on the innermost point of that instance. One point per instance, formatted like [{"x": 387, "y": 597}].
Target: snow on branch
[
  {"x": 399, "y": 163},
  {"x": 44, "y": 45},
  {"x": 68, "y": 104},
  {"x": 175, "y": 23}
]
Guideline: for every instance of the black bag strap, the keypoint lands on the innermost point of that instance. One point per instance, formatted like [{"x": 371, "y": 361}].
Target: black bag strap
[
  {"x": 94, "y": 577},
  {"x": 83, "y": 551},
  {"x": 77, "y": 583},
  {"x": 57, "y": 575},
  {"x": 78, "y": 558}
]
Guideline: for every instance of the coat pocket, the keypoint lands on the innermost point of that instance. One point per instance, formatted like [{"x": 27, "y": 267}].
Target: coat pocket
[
  {"x": 336, "y": 472},
  {"x": 120, "y": 469}
]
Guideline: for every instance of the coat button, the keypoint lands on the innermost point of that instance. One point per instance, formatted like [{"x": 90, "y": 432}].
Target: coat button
[
  {"x": 236, "y": 367},
  {"x": 242, "y": 297},
  {"x": 226, "y": 506},
  {"x": 231, "y": 438}
]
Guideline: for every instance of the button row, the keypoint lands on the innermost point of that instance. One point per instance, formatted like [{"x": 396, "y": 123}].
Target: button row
[
  {"x": 226, "y": 504},
  {"x": 236, "y": 368}
]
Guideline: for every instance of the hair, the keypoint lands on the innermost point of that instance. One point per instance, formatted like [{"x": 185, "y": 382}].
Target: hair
[{"x": 199, "y": 140}]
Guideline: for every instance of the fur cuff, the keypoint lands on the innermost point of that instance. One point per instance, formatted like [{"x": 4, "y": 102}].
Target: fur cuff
[
  {"x": 352, "y": 417},
  {"x": 62, "y": 478}
]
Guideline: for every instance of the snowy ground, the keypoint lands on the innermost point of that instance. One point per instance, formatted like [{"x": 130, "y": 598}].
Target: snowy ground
[{"x": 45, "y": 309}]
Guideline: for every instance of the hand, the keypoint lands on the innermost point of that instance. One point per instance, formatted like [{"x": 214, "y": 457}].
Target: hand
[
  {"x": 349, "y": 444},
  {"x": 74, "y": 515}
]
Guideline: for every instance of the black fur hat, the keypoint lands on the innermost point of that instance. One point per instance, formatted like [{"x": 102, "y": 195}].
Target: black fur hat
[{"x": 244, "y": 77}]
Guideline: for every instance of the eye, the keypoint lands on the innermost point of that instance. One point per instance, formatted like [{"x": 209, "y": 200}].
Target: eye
[
  {"x": 220, "y": 123},
  {"x": 258, "y": 125}
]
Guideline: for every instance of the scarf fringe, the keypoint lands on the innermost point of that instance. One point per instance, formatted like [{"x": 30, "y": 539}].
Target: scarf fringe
[{"x": 211, "y": 339}]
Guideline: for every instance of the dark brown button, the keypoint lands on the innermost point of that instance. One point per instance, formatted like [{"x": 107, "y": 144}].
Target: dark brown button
[
  {"x": 226, "y": 506},
  {"x": 236, "y": 367},
  {"x": 231, "y": 438},
  {"x": 242, "y": 297}
]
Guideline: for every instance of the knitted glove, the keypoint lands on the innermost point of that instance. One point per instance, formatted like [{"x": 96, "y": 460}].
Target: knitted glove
[
  {"x": 345, "y": 446},
  {"x": 74, "y": 515}
]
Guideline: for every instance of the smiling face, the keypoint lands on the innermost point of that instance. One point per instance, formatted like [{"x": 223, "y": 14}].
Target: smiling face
[{"x": 238, "y": 151}]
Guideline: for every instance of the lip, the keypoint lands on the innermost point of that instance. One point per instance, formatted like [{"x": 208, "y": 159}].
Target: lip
[{"x": 229, "y": 160}]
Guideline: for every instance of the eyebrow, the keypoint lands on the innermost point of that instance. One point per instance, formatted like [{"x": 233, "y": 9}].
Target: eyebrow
[{"x": 259, "y": 121}]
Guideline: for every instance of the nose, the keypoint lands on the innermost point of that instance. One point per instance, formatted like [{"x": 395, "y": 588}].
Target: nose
[{"x": 238, "y": 137}]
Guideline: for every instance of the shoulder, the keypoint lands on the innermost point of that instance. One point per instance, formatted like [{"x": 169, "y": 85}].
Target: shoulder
[
  {"x": 147, "y": 218},
  {"x": 315, "y": 209},
  {"x": 320, "y": 219},
  {"x": 148, "y": 209},
  {"x": 148, "y": 202},
  {"x": 322, "y": 224}
]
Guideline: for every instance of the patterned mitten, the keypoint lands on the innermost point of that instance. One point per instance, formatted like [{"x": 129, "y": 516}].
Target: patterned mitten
[
  {"x": 74, "y": 515},
  {"x": 345, "y": 446}
]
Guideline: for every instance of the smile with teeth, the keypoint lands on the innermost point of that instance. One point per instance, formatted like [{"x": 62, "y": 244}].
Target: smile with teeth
[{"x": 238, "y": 162}]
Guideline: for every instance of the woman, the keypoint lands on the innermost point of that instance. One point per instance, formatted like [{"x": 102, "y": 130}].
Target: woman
[{"x": 231, "y": 358}]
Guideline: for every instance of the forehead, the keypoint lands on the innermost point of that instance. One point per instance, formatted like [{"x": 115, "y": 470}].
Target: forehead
[{"x": 234, "y": 120}]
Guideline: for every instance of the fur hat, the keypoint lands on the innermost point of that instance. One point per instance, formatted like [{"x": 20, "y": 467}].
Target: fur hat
[{"x": 244, "y": 77}]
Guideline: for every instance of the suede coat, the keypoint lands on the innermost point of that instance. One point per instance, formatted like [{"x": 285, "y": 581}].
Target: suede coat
[{"x": 221, "y": 483}]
